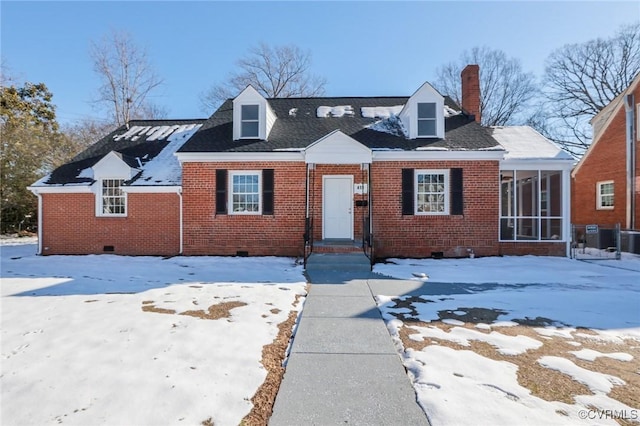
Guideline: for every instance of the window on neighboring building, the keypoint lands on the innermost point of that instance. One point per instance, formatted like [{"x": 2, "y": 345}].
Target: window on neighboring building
[
  {"x": 605, "y": 195},
  {"x": 249, "y": 121},
  {"x": 530, "y": 205},
  {"x": 426, "y": 119},
  {"x": 245, "y": 192},
  {"x": 432, "y": 192},
  {"x": 113, "y": 201}
]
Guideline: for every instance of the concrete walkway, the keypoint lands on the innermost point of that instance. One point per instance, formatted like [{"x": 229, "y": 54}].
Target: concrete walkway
[{"x": 343, "y": 367}]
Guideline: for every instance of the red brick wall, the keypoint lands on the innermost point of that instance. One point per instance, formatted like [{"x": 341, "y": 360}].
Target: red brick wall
[
  {"x": 70, "y": 225},
  {"x": 606, "y": 161},
  {"x": 535, "y": 248},
  {"x": 280, "y": 234},
  {"x": 419, "y": 236}
]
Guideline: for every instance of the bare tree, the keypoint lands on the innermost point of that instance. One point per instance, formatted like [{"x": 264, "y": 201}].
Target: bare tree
[
  {"x": 505, "y": 90},
  {"x": 581, "y": 79},
  {"x": 85, "y": 132},
  {"x": 276, "y": 72},
  {"x": 127, "y": 77}
]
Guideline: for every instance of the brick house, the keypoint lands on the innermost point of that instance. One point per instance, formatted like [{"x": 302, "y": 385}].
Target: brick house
[
  {"x": 606, "y": 180},
  {"x": 413, "y": 176}
]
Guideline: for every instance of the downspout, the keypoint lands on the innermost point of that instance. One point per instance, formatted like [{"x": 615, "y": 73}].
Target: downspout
[
  {"x": 39, "y": 223},
  {"x": 566, "y": 211},
  {"x": 181, "y": 225},
  {"x": 630, "y": 163},
  {"x": 369, "y": 190}
]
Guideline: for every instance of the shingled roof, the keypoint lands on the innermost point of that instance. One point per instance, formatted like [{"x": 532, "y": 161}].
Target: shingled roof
[
  {"x": 145, "y": 145},
  {"x": 298, "y": 125}
]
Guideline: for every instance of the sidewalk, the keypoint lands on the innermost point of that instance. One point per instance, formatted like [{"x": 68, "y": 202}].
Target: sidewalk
[{"x": 343, "y": 367}]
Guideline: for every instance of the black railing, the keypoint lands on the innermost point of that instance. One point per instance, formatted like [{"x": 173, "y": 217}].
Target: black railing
[
  {"x": 367, "y": 238},
  {"x": 308, "y": 239}
]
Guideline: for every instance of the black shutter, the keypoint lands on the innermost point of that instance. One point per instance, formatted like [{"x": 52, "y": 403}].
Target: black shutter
[
  {"x": 267, "y": 191},
  {"x": 457, "y": 203},
  {"x": 221, "y": 191},
  {"x": 407, "y": 191}
]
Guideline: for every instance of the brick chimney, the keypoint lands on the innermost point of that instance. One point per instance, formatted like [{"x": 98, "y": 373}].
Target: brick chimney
[{"x": 470, "y": 76}]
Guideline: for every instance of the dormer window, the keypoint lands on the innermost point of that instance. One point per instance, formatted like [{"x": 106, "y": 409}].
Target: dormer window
[
  {"x": 249, "y": 121},
  {"x": 113, "y": 201},
  {"x": 427, "y": 119}
]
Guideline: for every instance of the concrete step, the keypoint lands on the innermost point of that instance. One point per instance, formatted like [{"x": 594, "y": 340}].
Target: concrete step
[
  {"x": 337, "y": 246},
  {"x": 339, "y": 262}
]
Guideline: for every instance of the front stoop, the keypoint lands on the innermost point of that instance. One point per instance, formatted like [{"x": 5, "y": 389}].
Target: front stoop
[
  {"x": 357, "y": 262},
  {"x": 337, "y": 246}
]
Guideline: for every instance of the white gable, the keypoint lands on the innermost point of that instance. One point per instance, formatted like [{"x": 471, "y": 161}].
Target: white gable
[
  {"x": 112, "y": 166},
  {"x": 337, "y": 148},
  {"x": 266, "y": 116},
  {"x": 409, "y": 114}
]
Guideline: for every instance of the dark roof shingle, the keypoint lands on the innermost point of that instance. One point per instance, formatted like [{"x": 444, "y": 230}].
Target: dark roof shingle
[{"x": 301, "y": 129}]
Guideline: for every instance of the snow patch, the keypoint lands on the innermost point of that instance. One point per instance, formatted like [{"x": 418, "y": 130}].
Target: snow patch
[
  {"x": 591, "y": 355},
  {"x": 597, "y": 382},
  {"x": 334, "y": 111},
  {"x": 380, "y": 111},
  {"x": 392, "y": 125}
]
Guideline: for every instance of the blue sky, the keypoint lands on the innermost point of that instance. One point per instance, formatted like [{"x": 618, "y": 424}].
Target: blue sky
[{"x": 361, "y": 48}]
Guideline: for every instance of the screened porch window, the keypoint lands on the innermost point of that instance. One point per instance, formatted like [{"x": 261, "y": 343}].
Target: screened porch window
[{"x": 531, "y": 205}]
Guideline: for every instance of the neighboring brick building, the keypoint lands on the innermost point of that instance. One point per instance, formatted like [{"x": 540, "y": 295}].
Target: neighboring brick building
[
  {"x": 606, "y": 181},
  {"x": 406, "y": 176}
]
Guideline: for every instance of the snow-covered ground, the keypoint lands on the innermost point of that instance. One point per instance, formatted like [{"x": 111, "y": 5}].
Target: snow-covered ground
[
  {"x": 464, "y": 335},
  {"x": 102, "y": 340},
  {"x": 78, "y": 348}
]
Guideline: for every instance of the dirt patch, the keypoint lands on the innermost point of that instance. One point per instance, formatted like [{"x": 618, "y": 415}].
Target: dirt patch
[
  {"x": 217, "y": 311},
  {"x": 272, "y": 358},
  {"x": 152, "y": 308},
  {"x": 550, "y": 385}
]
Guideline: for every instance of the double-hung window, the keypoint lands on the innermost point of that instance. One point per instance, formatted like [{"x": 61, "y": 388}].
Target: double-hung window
[
  {"x": 245, "y": 192},
  {"x": 113, "y": 201},
  {"x": 432, "y": 192},
  {"x": 605, "y": 195},
  {"x": 427, "y": 119},
  {"x": 249, "y": 121}
]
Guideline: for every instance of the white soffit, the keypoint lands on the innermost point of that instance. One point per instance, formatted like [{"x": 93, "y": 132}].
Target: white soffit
[{"x": 337, "y": 148}]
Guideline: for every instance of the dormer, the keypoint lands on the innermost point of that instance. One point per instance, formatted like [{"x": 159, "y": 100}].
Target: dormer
[
  {"x": 423, "y": 114},
  {"x": 110, "y": 174},
  {"x": 253, "y": 118},
  {"x": 113, "y": 165}
]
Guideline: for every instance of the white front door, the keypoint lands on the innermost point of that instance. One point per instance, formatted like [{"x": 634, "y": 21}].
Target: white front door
[{"x": 337, "y": 207}]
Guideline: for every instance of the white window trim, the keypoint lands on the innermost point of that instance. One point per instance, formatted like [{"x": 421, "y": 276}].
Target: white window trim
[
  {"x": 434, "y": 119},
  {"x": 250, "y": 121},
  {"x": 447, "y": 191},
  {"x": 99, "y": 199},
  {"x": 233, "y": 173},
  {"x": 599, "y": 185}
]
